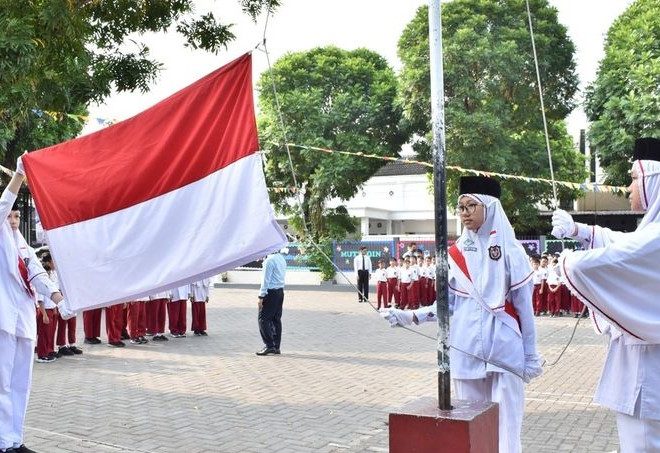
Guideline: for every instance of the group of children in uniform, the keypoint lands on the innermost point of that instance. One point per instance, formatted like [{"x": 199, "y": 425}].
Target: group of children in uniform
[
  {"x": 134, "y": 320},
  {"x": 551, "y": 296},
  {"x": 409, "y": 281}
]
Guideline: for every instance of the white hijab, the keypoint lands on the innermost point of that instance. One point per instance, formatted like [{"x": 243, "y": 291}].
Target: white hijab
[
  {"x": 494, "y": 277},
  {"x": 621, "y": 281}
]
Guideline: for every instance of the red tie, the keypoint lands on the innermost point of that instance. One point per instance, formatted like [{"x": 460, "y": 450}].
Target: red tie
[{"x": 22, "y": 269}]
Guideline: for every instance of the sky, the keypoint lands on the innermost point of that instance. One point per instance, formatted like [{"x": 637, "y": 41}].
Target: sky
[{"x": 303, "y": 24}]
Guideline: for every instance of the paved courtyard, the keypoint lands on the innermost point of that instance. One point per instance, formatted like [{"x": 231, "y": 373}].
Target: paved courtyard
[{"x": 341, "y": 371}]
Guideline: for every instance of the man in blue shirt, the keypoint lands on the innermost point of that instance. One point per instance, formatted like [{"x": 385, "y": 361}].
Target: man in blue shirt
[{"x": 271, "y": 298}]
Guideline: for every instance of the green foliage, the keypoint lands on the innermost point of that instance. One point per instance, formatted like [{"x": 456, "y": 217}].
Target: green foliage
[
  {"x": 492, "y": 109},
  {"x": 60, "y": 55},
  {"x": 332, "y": 98},
  {"x": 623, "y": 102},
  {"x": 316, "y": 256}
]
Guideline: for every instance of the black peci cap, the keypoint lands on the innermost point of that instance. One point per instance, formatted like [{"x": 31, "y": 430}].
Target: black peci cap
[
  {"x": 480, "y": 185},
  {"x": 647, "y": 148}
]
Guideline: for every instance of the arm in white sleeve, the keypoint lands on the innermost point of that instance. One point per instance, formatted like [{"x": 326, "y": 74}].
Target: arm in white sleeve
[
  {"x": 39, "y": 277},
  {"x": 522, "y": 302},
  {"x": 594, "y": 236},
  {"x": 6, "y": 202},
  {"x": 426, "y": 314},
  {"x": 355, "y": 265},
  {"x": 268, "y": 273}
]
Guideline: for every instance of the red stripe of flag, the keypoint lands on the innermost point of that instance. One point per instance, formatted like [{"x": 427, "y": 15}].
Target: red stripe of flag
[{"x": 182, "y": 139}]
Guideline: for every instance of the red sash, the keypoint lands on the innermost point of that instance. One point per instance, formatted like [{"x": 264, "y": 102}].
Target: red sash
[
  {"x": 459, "y": 259},
  {"x": 23, "y": 271}
]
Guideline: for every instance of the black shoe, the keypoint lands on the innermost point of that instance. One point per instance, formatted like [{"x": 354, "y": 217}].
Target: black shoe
[
  {"x": 125, "y": 335},
  {"x": 182, "y": 335},
  {"x": 21, "y": 449},
  {"x": 277, "y": 351},
  {"x": 47, "y": 359},
  {"x": 266, "y": 351},
  {"x": 92, "y": 340},
  {"x": 64, "y": 350},
  {"x": 143, "y": 340},
  {"x": 117, "y": 344},
  {"x": 76, "y": 350},
  {"x": 197, "y": 333},
  {"x": 203, "y": 333}
]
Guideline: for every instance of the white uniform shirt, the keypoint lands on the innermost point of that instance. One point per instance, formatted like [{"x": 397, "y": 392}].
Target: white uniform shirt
[
  {"x": 360, "y": 264},
  {"x": 404, "y": 275},
  {"x": 161, "y": 295},
  {"x": 492, "y": 340},
  {"x": 631, "y": 371},
  {"x": 414, "y": 273},
  {"x": 200, "y": 290},
  {"x": 17, "y": 306},
  {"x": 538, "y": 276},
  {"x": 381, "y": 275},
  {"x": 181, "y": 293},
  {"x": 392, "y": 272},
  {"x": 45, "y": 298},
  {"x": 553, "y": 276}
]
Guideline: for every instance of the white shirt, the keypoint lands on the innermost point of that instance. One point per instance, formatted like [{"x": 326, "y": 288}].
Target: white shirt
[
  {"x": 360, "y": 264},
  {"x": 414, "y": 272},
  {"x": 553, "y": 276},
  {"x": 381, "y": 275},
  {"x": 45, "y": 298},
  {"x": 404, "y": 275},
  {"x": 392, "y": 272},
  {"x": 17, "y": 306},
  {"x": 200, "y": 290},
  {"x": 538, "y": 276},
  {"x": 631, "y": 371},
  {"x": 180, "y": 293},
  {"x": 161, "y": 295}
]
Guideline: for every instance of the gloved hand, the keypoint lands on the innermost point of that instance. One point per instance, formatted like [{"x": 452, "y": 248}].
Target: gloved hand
[
  {"x": 64, "y": 310},
  {"x": 397, "y": 317},
  {"x": 20, "y": 169},
  {"x": 562, "y": 224},
  {"x": 533, "y": 368}
]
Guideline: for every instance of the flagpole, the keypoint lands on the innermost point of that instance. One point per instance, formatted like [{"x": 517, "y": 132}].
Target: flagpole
[{"x": 440, "y": 200}]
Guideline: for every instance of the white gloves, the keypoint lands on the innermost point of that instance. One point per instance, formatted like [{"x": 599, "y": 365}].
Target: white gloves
[
  {"x": 64, "y": 310},
  {"x": 397, "y": 317},
  {"x": 20, "y": 169},
  {"x": 533, "y": 368},
  {"x": 562, "y": 224}
]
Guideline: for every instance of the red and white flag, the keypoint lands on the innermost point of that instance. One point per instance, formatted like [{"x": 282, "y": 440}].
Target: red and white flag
[{"x": 172, "y": 195}]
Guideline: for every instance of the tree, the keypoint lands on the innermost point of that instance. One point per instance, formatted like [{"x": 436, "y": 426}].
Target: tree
[
  {"x": 60, "y": 55},
  {"x": 492, "y": 109},
  {"x": 331, "y": 98},
  {"x": 623, "y": 103}
]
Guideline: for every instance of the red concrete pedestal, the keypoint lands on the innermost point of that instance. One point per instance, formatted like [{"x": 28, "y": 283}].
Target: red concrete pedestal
[{"x": 420, "y": 427}]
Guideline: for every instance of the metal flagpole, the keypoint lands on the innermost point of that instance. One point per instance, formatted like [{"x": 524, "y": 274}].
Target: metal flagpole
[{"x": 440, "y": 197}]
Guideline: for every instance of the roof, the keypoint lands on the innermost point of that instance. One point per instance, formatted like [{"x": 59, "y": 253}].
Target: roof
[{"x": 402, "y": 168}]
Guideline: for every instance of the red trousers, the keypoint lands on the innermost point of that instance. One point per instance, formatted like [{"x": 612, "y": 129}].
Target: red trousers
[
  {"x": 66, "y": 331},
  {"x": 114, "y": 318},
  {"x": 432, "y": 291},
  {"x": 176, "y": 312},
  {"x": 576, "y": 304},
  {"x": 198, "y": 316},
  {"x": 413, "y": 295},
  {"x": 565, "y": 297},
  {"x": 554, "y": 300},
  {"x": 156, "y": 312},
  {"x": 46, "y": 332},
  {"x": 392, "y": 291},
  {"x": 381, "y": 294},
  {"x": 137, "y": 319},
  {"x": 404, "y": 293},
  {"x": 536, "y": 299},
  {"x": 423, "y": 290},
  {"x": 92, "y": 323}
]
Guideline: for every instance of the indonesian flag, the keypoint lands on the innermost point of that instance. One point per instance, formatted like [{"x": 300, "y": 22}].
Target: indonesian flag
[{"x": 173, "y": 195}]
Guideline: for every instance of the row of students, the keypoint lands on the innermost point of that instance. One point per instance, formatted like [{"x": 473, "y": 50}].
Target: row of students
[
  {"x": 132, "y": 321},
  {"x": 138, "y": 319},
  {"x": 551, "y": 295},
  {"x": 407, "y": 283}
]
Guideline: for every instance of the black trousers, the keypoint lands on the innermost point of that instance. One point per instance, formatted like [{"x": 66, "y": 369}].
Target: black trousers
[
  {"x": 270, "y": 318},
  {"x": 363, "y": 284}
]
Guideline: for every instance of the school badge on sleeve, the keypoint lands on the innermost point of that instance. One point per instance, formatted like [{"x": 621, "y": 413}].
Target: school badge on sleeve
[{"x": 495, "y": 252}]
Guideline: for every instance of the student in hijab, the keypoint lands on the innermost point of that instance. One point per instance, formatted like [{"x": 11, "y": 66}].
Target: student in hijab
[
  {"x": 492, "y": 332},
  {"x": 618, "y": 278}
]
